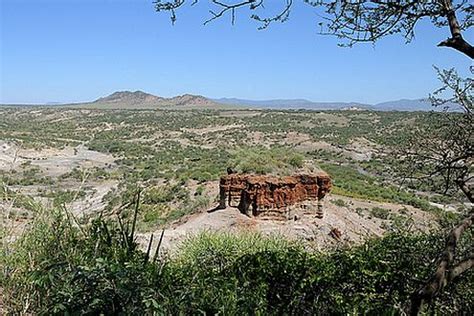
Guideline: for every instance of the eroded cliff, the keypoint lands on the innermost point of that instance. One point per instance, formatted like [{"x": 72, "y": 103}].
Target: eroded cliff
[{"x": 255, "y": 195}]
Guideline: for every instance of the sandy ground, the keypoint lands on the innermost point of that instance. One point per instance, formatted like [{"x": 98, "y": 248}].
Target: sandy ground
[
  {"x": 93, "y": 203},
  {"x": 53, "y": 162},
  {"x": 355, "y": 226}
]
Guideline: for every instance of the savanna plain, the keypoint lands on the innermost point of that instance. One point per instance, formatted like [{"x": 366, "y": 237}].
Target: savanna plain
[{"x": 113, "y": 211}]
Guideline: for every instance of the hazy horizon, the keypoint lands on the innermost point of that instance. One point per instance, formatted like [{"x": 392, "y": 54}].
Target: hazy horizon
[{"x": 52, "y": 102}]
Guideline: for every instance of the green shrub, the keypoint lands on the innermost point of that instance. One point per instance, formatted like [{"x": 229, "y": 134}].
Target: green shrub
[
  {"x": 261, "y": 160},
  {"x": 251, "y": 274},
  {"x": 60, "y": 268},
  {"x": 201, "y": 176},
  {"x": 164, "y": 193},
  {"x": 200, "y": 190},
  {"x": 57, "y": 268},
  {"x": 380, "y": 212},
  {"x": 153, "y": 213},
  {"x": 340, "y": 203},
  {"x": 350, "y": 182}
]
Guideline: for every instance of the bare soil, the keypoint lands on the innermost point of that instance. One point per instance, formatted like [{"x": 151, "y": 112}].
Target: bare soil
[
  {"x": 354, "y": 221},
  {"x": 52, "y": 161}
]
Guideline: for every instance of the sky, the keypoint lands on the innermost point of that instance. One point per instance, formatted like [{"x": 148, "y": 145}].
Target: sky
[{"x": 80, "y": 50}]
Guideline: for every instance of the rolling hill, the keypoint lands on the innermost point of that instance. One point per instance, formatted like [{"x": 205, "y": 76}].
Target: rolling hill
[{"x": 143, "y": 100}]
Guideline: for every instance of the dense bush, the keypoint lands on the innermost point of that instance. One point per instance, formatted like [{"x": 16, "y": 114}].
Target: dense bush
[
  {"x": 261, "y": 160},
  {"x": 57, "y": 268},
  {"x": 250, "y": 274},
  {"x": 60, "y": 268}
]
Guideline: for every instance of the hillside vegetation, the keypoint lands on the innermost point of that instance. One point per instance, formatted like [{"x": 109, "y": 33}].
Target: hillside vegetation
[
  {"x": 57, "y": 268},
  {"x": 76, "y": 240}
]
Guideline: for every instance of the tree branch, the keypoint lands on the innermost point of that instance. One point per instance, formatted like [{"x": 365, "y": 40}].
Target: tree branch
[
  {"x": 465, "y": 189},
  {"x": 456, "y": 40},
  {"x": 230, "y": 7},
  {"x": 459, "y": 44},
  {"x": 461, "y": 267},
  {"x": 444, "y": 272}
]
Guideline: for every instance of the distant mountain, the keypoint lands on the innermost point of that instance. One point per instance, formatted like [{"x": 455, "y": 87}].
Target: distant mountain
[
  {"x": 405, "y": 105},
  {"x": 128, "y": 97},
  {"x": 398, "y": 105},
  {"x": 190, "y": 99},
  {"x": 143, "y": 100},
  {"x": 293, "y": 104}
]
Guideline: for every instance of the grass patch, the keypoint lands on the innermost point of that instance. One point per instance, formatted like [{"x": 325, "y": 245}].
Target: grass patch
[
  {"x": 261, "y": 160},
  {"x": 340, "y": 203},
  {"x": 59, "y": 268},
  {"x": 380, "y": 212}
]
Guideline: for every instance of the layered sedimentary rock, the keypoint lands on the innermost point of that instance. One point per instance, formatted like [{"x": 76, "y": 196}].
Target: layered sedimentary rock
[
  {"x": 255, "y": 195},
  {"x": 230, "y": 189}
]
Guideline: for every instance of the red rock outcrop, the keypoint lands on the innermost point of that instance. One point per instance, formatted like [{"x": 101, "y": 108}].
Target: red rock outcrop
[
  {"x": 230, "y": 189},
  {"x": 256, "y": 194}
]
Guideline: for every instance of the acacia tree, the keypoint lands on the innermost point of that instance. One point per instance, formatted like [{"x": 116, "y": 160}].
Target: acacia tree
[
  {"x": 447, "y": 151},
  {"x": 354, "y": 21},
  {"x": 441, "y": 153}
]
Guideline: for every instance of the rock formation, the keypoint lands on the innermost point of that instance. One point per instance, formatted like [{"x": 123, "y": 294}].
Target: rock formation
[{"x": 255, "y": 195}]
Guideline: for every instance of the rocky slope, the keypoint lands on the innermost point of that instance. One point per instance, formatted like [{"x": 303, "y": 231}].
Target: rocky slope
[
  {"x": 349, "y": 224},
  {"x": 128, "y": 97}
]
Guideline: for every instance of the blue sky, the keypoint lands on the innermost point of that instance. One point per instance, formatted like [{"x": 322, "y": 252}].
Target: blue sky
[{"x": 79, "y": 50}]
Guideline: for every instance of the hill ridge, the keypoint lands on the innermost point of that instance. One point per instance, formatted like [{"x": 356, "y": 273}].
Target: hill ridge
[{"x": 141, "y": 99}]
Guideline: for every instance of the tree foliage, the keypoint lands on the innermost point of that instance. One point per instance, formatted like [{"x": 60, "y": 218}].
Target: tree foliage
[
  {"x": 441, "y": 152},
  {"x": 355, "y": 21}
]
